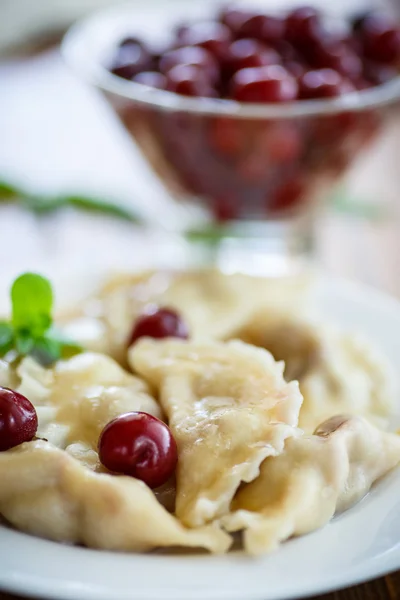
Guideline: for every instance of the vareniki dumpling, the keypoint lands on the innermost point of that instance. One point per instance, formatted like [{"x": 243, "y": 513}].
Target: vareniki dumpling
[
  {"x": 338, "y": 372},
  {"x": 48, "y": 493},
  {"x": 315, "y": 477},
  {"x": 56, "y": 488},
  {"x": 228, "y": 407},
  {"x": 213, "y": 304},
  {"x": 250, "y": 455},
  {"x": 81, "y": 395}
]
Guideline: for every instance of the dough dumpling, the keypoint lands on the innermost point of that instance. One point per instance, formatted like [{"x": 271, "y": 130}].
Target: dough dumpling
[
  {"x": 315, "y": 476},
  {"x": 56, "y": 487},
  {"x": 47, "y": 492},
  {"x": 212, "y": 304},
  {"x": 338, "y": 372},
  {"x": 228, "y": 407},
  {"x": 81, "y": 395}
]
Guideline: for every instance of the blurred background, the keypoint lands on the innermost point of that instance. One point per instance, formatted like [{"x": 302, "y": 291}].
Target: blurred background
[{"x": 58, "y": 136}]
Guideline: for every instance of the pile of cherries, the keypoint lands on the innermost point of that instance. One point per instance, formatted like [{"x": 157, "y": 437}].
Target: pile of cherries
[
  {"x": 135, "y": 443},
  {"x": 250, "y": 56},
  {"x": 265, "y": 167}
]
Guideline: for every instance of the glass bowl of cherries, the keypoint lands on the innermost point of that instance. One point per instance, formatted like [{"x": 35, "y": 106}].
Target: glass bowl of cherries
[{"x": 245, "y": 114}]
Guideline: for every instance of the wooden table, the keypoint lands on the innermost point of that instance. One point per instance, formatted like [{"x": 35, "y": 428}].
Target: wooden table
[{"x": 361, "y": 249}]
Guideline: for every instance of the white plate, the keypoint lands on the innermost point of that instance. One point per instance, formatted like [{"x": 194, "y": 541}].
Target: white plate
[{"x": 361, "y": 544}]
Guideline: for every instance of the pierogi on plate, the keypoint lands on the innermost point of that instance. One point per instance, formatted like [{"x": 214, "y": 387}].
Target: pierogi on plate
[{"x": 201, "y": 405}]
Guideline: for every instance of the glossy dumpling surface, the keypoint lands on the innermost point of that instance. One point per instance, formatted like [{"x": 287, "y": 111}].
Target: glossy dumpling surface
[
  {"x": 312, "y": 479},
  {"x": 58, "y": 489},
  {"x": 213, "y": 304},
  {"x": 338, "y": 372},
  {"x": 228, "y": 407}
]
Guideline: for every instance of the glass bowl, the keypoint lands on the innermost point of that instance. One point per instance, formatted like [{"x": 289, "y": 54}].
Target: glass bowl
[{"x": 257, "y": 172}]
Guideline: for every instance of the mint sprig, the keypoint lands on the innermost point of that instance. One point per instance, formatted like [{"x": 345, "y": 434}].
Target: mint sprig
[
  {"x": 46, "y": 204},
  {"x": 30, "y": 330}
]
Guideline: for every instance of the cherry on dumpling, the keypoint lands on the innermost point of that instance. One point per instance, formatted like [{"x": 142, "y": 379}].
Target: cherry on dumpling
[
  {"x": 18, "y": 419},
  {"x": 139, "y": 445},
  {"x": 161, "y": 323}
]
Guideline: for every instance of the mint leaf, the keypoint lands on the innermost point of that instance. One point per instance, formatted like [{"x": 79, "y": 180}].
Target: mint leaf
[
  {"x": 52, "y": 347},
  {"x": 70, "y": 349},
  {"x": 42, "y": 204},
  {"x": 46, "y": 351},
  {"x": 32, "y": 302},
  {"x": 101, "y": 206},
  {"x": 24, "y": 343},
  {"x": 6, "y": 333},
  {"x": 6, "y": 337},
  {"x": 8, "y": 191},
  {"x": 209, "y": 234},
  {"x": 67, "y": 347},
  {"x": 30, "y": 331}
]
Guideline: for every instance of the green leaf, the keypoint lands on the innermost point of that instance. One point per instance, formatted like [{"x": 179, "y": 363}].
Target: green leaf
[
  {"x": 42, "y": 204},
  {"x": 210, "y": 234},
  {"x": 32, "y": 302},
  {"x": 31, "y": 331},
  {"x": 24, "y": 343},
  {"x": 46, "y": 351},
  {"x": 8, "y": 191},
  {"x": 6, "y": 333},
  {"x": 52, "y": 347},
  {"x": 68, "y": 347},
  {"x": 101, "y": 206},
  {"x": 6, "y": 337}
]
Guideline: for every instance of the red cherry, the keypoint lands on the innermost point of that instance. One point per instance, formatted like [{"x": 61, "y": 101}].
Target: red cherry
[
  {"x": 139, "y": 445},
  {"x": 191, "y": 55},
  {"x": 152, "y": 79},
  {"x": 264, "y": 84},
  {"x": 247, "y": 53},
  {"x": 354, "y": 43},
  {"x": 233, "y": 17},
  {"x": 131, "y": 58},
  {"x": 295, "y": 68},
  {"x": 18, "y": 419},
  {"x": 225, "y": 209},
  {"x": 226, "y": 136},
  {"x": 288, "y": 196},
  {"x": 253, "y": 168},
  {"x": 377, "y": 73},
  {"x": 339, "y": 57},
  {"x": 302, "y": 25},
  {"x": 382, "y": 45},
  {"x": 372, "y": 21},
  {"x": 262, "y": 27},
  {"x": 363, "y": 84},
  {"x": 283, "y": 142},
  {"x": 323, "y": 83},
  {"x": 189, "y": 80},
  {"x": 160, "y": 323},
  {"x": 287, "y": 51},
  {"x": 214, "y": 37},
  {"x": 357, "y": 22}
]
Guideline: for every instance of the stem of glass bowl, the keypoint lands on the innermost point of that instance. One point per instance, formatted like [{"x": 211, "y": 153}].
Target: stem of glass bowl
[{"x": 262, "y": 248}]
